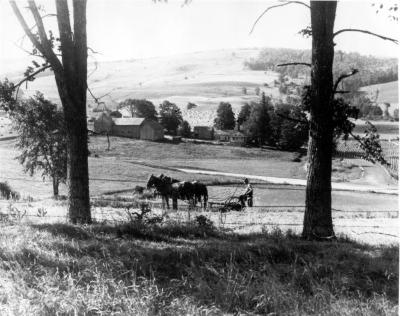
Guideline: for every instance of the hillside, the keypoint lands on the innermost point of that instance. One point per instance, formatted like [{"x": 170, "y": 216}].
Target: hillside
[
  {"x": 384, "y": 93},
  {"x": 204, "y": 78}
]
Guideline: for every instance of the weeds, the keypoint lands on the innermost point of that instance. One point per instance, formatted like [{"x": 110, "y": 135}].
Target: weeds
[
  {"x": 172, "y": 269},
  {"x": 7, "y": 192}
]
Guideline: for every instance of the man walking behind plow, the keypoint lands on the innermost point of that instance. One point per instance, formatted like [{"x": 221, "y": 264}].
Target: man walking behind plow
[{"x": 247, "y": 195}]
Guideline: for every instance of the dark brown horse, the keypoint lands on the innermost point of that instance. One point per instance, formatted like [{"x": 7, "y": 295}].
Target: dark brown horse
[
  {"x": 169, "y": 187},
  {"x": 200, "y": 191}
]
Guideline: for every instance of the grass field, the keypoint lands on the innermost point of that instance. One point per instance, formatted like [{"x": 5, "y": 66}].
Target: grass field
[{"x": 191, "y": 269}]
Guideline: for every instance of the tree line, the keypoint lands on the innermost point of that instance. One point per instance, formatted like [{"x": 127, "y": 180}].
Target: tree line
[
  {"x": 371, "y": 70},
  {"x": 282, "y": 125}
]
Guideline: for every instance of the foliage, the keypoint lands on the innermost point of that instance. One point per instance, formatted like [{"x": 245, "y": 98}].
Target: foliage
[
  {"x": 191, "y": 105},
  {"x": 289, "y": 127},
  {"x": 372, "y": 70},
  {"x": 184, "y": 129},
  {"x": 7, "y": 191},
  {"x": 243, "y": 114},
  {"x": 257, "y": 126},
  {"x": 225, "y": 117},
  {"x": 170, "y": 117},
  {"x": 140, "y": 108},
  {"x": 7, "y": 100},
  {"x": 42, "y": 138},
  {"x": 174, "y": 270},
  {"x": 343, "y": 114}
]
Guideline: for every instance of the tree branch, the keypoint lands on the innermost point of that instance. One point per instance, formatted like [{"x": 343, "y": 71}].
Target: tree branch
[
  {"x": 276, "y": 6},
  {"x": 292, "y": 119},
  {"x": 344, "y": 76},
  {"x": 32, "y": 75},
  {"x": 24, "y": 25},
  {"x": 48, "y": 50},
  {"x": 366, "y": 32},
  {"x": 294, "y": 64}
]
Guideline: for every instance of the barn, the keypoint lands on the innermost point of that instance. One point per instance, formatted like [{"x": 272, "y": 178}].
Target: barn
[{"x": 139, "y": 128}]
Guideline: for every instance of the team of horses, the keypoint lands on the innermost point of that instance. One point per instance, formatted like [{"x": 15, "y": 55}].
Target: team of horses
[{"x": 194, "y": 192}]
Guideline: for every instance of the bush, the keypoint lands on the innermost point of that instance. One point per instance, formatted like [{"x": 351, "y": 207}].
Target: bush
[{"x": 7, "y": 192}]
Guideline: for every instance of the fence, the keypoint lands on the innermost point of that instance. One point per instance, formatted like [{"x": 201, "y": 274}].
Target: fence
[{"x": 254, "y": 217}]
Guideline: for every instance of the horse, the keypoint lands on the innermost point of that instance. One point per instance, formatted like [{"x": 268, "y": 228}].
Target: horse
[
  {"x": 162, "y": 187},
  {"x": 169, "y": 187},
  {"x": 200, "y": 191}
]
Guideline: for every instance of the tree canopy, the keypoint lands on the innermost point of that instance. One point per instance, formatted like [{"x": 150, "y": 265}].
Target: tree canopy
[
  {"x": 41, "y": 138},
  {"x": 170, "y": 117},
  {"x": 140, "y": 108},
  {"x": 225, "y": 117}
]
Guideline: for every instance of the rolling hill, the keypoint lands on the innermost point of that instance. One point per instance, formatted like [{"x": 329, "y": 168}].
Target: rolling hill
[{"x": 204, "y": 78}]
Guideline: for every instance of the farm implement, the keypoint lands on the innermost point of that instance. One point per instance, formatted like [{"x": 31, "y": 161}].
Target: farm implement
[{"x": 231, "y": 203}]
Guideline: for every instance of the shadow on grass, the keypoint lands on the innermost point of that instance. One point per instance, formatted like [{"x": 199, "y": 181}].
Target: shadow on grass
[{"x": 256, "y": 273}]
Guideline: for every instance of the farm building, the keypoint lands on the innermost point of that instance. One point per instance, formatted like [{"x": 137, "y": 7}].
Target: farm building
[
  {"x": 136, "y": 127},
  {"x": 203, "y": 132},
  {"x": 233, "y": 137},
  {"x": 132, "y": 127}
]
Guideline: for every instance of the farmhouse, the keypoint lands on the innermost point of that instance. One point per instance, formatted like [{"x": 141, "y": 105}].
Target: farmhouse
[
  {"x": 133, "y": 127},
  {"x": 233, "y": 137},
  {"x": 203, "y": 132}
]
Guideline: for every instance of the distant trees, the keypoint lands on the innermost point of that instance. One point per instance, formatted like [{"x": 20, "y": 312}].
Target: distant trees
[
  {"x": 243, "y": 114},
  {"x": 289, "y": 127},
  {"x": 170, "y": 116},
  {"x": 257, "y": 90},
  {"x": 257, "y": 126},
  {"x": 184, "y": 129},
  {"x": 225, "y": 117},
  {"x": 41, "y": 138},
  {"x": 140, "y": 108}
]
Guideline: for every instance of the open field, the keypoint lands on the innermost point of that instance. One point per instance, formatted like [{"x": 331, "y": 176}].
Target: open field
[
  {"x": 384, "y": 93},
  {"x": 386, "y": 130},
  {"x": 204, "y": 78},
  {"x": 191, "y": 269}
]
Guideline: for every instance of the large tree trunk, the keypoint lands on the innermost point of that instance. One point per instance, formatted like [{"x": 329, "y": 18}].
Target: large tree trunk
[
  {"x": 72, "y": 85},
  {"x": 71, "y": 79},
  {"x": 318, "y": 214},
  {"x": 55, "y": 187}
]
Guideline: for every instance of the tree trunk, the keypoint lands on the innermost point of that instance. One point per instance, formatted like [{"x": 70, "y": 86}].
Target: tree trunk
[
  {"x": 55, "y": 187},
  {"x": 71, "y": 79},
  {"x": 318, "y": 214}
]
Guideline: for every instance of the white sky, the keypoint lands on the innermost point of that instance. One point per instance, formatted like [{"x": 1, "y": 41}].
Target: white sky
[{"x": 124, "y": 29}]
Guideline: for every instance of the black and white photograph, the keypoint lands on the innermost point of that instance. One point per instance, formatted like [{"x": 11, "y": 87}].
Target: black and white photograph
[{"x": 199, "y": 157}]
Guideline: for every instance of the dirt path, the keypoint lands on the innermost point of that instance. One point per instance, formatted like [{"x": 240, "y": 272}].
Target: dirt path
[{"x": 275, "y": 180}]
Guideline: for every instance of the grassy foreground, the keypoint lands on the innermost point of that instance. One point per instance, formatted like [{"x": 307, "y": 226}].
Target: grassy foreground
[{"x": 194, "y": 269}]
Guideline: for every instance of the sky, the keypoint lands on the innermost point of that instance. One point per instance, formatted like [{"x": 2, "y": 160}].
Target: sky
[{"x": 133, "y": 29}]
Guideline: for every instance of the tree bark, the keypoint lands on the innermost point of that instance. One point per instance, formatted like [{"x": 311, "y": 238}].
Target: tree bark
[
  {"x": 318, "y": 214},
  {"x": 55, "y": 187}
]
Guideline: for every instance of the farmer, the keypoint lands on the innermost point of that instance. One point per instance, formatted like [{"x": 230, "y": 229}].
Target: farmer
[{"x": 247, "y": 195}]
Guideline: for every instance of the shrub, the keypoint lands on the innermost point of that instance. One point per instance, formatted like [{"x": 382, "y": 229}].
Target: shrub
[{"x": 7, "y": 192}]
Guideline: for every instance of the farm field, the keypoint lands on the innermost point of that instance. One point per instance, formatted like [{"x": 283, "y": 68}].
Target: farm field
[
  {"x": 386, "y": 130},
  {"x": 129, "y": 163}
]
